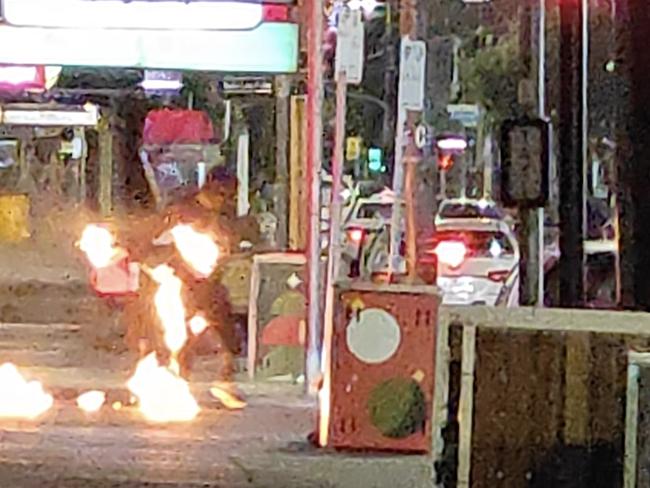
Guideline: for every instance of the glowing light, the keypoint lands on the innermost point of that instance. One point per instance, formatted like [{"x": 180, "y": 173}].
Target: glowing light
[
  {"x": 163, "y": 396},
  {"x": 356, "y": 235},
  {"x": 227, "y": 398},
  {"x": 91, "y": 401},
  {"x": 197, "y": 249},
  {"x": 269, "y": 48},
  {"x": 21, "y": 399},
  {"x": 18, "y": 75},
  {"x": 451, "y": 253},
  {"x": 495, "y": 249},
  {"x": 452, "y": 144},
  {"x": 169, "y": 307},
  {"x": 116, "y": 14},
  {"x": 367, "y": 6},
  {"x": 198, "y": 324},
  {"x": 98, "y": 244}
]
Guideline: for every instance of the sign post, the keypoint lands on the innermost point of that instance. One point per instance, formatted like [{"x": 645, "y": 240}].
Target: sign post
[
  {"x": 349, "y": 69},
  {"x": 412, "y": 73}
]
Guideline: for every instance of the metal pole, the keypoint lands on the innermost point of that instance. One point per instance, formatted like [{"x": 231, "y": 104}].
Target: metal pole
[
  {"x": 541, "y": 99},
  {"x": 584, "y": 89},
  {"x": 314, "y": 165},
  {"x": 408, "y": 30}
]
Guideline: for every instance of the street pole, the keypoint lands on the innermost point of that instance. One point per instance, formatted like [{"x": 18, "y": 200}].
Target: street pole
[
  {"x": 541, "y": 109},
  {"x": 314, "y": 165},
  {"x": 282, "y": 92},
  {"x": 572, "y": 152},
  {"x": 334, "y": 252},
  {"x": 407, "y": 118}
]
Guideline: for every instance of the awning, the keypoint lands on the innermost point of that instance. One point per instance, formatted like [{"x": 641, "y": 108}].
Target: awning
[{"x": 165, "y": 127}]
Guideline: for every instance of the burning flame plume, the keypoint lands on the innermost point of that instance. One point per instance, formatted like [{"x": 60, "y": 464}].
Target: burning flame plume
[
  {"x": 163, "y": 395},
  {"x": 198, "y": 324},
  {"x": 91, "y": 401},
  {"x": 197, "y": 249},
  {"x": 21, "y": 399},
  {"x": 170, "y": 308},
  {"x": 99, "y": 245}
]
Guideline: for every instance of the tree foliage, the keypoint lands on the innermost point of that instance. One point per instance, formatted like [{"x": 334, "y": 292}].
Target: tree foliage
[{"x": 491, "y": 76}]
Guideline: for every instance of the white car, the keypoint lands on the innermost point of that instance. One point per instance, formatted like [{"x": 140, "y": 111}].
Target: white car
[
  {"x": 477, "y": 262},
  {"x": 471, "y": 208},
  {"x": 365, "y": 231}
]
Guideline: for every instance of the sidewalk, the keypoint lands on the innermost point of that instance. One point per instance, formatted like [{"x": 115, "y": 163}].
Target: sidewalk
[{"x": 262, "y": 446}]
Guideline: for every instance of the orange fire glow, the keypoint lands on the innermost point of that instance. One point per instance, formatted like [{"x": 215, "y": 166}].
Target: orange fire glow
[
  {"x": 169, "y": 306},
  {"x": 198, "y": 324},
  {"x": 98, "y": 244},
  {"x": 227, "y": 398},
  {"x": 91, "y": 401},
  {"x": 197, "y": 249},
  {"x": 163, "y": 396},
  {"x": 21, "y": 399}
]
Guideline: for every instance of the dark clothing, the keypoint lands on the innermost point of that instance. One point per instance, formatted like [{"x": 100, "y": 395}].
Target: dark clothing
[{"x": 205, "y": 296}]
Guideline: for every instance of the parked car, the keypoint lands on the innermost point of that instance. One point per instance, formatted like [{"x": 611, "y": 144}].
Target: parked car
[{"x": 477, "y": 261}]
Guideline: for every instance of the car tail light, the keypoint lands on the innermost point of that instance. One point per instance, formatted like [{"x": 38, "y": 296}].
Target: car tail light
[
  {"x": 275, "y": 12},
  {"x": 451, "y": 253},
  {"x": 499, "y": 276},
  {"x": 356, "y": 235}
]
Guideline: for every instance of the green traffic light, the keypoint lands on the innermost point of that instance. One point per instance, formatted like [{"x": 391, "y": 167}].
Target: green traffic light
[{"x": 375, "y": 159}]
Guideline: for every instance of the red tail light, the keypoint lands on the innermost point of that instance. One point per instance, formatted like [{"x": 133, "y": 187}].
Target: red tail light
[
  {"x": 356, "y": 235},
  {"x": 499, "y": 276},
  {"x": 275, "y": 13},
  {"x": 451, "y": 253}
]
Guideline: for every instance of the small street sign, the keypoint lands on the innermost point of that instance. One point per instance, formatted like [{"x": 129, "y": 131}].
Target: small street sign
[
  {"x": 353, "y": 148},
  {"x": 350, "y": 46},
  {"x": 525, "y": 165},
  {"x": 247, "y": 85},
  {"x": 412, "y": 74},
  {"x": 421, "y": 136},
  {"x": 467, "y": 114}
]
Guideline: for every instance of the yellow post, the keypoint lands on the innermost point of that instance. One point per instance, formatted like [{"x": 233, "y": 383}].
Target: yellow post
[
  {"x": 298, "y": 218},
  {"x": 14, "y": 217},
  {"x": 105, "y": 167}
]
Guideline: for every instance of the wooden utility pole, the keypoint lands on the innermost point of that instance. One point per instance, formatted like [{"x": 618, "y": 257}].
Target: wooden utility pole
[{"x": 314, "y": 164}]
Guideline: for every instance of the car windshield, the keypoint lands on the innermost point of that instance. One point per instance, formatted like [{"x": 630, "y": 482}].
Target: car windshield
[
  {"x": 480, "y": 244},
  {"x": 375, "y": 211},
  {"x": 470, "y": 210}
]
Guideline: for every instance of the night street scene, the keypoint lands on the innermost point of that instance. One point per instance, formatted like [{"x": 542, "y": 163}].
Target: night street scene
[{"x": 324, "y": 244}]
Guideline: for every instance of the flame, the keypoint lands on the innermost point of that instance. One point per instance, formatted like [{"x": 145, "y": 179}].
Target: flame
[
  {"x": 98, "y": 244},
  {"x": 91, "y": 401},
  {"x": 170, "y": 308},
  {"x": 197, "y": 249},
  {"x": 198, "y": 324},
  {"x": 228, "y": 399},
  {"x": 21, "y": 399},
  {"x": 163, "y": 395}
]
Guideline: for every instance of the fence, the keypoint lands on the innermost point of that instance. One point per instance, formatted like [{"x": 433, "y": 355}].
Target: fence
[{"x": 533, "y": 398}]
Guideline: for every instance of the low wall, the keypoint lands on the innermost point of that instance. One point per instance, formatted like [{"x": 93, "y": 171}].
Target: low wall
[{"x": 533, "y": 398}]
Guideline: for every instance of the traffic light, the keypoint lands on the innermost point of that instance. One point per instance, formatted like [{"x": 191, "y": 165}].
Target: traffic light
[
  {"x": 445, "y": 161},
  {"x": 375, "y": 160}
]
